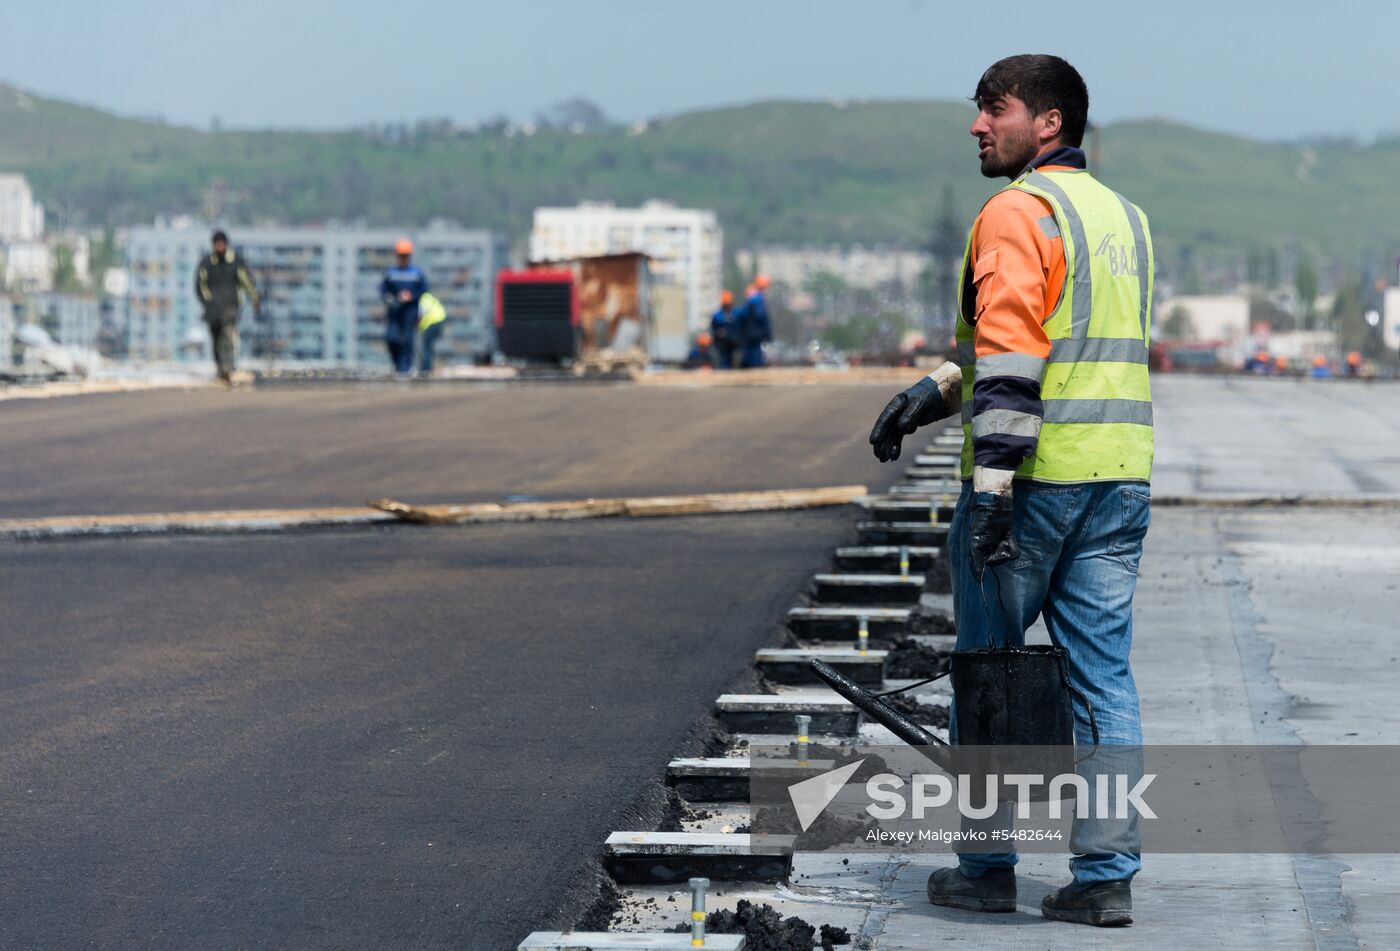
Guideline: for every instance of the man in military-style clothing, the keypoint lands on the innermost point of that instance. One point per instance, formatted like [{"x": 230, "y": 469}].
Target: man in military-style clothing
[{"x": 217, "y": 282}]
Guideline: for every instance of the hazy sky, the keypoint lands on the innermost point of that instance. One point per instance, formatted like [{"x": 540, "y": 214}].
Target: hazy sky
[{"x": 1273, "y": 70}]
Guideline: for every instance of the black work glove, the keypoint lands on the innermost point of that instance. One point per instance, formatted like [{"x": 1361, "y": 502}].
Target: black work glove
[
  {"x": 990, "y": 532},
  {"x": 917, "y": 406}
]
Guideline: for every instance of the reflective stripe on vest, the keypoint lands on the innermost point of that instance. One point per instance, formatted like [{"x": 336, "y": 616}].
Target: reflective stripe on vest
[{"x": 1097, "y": 423}]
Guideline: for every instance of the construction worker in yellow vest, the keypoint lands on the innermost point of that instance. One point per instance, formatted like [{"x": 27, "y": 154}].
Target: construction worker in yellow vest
[
  {"x": 1052, "y": 334},
  {"x": 431, "y": 315}
]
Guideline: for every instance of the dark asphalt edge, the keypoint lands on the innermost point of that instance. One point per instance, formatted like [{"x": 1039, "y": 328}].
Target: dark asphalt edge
[
  {"x": 385, "y": 522},
  {"x": 370, "y": 519},
  {"x": 593, "y": 892}
]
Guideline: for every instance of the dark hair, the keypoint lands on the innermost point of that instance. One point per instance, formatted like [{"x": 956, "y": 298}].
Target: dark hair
[
  {"x": 219, "y": 236},
  {"x": 1042, "y": 82}
]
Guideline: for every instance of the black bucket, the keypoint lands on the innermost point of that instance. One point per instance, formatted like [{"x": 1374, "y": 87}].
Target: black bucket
[
  {"x": 1014, "y": 711},
  {"x": 1013, "y": 696}
]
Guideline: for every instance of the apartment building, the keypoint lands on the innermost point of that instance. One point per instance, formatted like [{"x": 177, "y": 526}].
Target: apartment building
[
  {"x": 21, "y": 217},
  {"x": 870, "y": 268}
]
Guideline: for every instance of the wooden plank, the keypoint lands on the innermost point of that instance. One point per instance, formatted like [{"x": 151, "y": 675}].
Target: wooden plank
[
  {"x": 636, "y": 507},
  {"x": 148, "y": 523}
]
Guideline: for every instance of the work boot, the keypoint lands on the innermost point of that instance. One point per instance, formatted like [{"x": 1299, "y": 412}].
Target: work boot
[
  {"x": 993, "y": 890},
  {"x": 1105, "y": 904}
]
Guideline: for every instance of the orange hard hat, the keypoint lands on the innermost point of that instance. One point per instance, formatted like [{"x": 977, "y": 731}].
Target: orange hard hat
[
  {"x": 761, "y": 282},
  {"x": 725, "y": 297},
  {"x": 1281, "y": 363},
  {"x": 702, "y": 338},
  {"x": 403, "y": 246},
  {"x": 1353, "y": 358},
  {"x": 1319, "y": 361},
  {"x": 1261, "y": 355}
]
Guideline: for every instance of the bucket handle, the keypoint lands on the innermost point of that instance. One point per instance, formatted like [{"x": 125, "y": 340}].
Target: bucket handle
[
  {"x": 891, "y": 693},
  {"x": 1074, "y": 691},
  {"x": 1078, "y": 694}
]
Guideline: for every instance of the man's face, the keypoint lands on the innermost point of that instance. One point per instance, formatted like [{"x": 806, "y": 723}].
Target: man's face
[
  {"x": 404, "y": 259},
  {"x": 1008, "y": 136},
  {"x": 220, "y": 247}
]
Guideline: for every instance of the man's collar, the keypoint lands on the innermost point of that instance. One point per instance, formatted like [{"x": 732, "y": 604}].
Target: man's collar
[{"x": 1065, "y": 155}]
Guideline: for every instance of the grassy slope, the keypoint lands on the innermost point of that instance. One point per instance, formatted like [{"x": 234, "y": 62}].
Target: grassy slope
[{"x": 776, "y": 171}]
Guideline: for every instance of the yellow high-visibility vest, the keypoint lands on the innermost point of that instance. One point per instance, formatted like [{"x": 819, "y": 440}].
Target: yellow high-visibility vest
[
  {"x": 430, "y": 311},
  {"x": 1097, "y": 425}
]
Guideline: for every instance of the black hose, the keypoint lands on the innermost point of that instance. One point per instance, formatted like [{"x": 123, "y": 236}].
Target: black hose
[{"x": 885, "y": 715}]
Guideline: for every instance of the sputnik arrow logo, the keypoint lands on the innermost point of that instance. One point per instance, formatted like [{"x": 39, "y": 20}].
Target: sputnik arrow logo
[{"x": 811, "y": 796}]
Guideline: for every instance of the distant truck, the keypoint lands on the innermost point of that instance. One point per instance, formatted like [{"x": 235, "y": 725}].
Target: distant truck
[
  {"x": 1187, "y": 356},
  {"x": 590, "y": 310}
]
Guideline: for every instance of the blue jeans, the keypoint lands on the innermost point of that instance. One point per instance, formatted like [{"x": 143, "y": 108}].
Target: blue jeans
[
  {"x": 724, "y": 354},
  {"x": 1080, "y": 547},
  {"x": 399, "y": 331},
  {"x": 426, "y": 345}
]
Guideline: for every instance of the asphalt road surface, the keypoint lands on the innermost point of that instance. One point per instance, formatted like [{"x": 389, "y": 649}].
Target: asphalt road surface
[
  {"x": 412, "y": 738},
  {"x": 393, "y": 738},
  {"x": 277, "y": 448}
]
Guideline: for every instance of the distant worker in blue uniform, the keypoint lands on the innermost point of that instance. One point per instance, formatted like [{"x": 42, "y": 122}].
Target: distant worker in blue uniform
[
  {"x": 722, "y": 333},
  {"x": 403, "y": 286},
  {"x": 752, "y": 328}
]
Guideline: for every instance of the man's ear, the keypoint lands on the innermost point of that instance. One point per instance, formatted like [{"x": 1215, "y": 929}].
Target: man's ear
[{"x": 1051, "y": 124}]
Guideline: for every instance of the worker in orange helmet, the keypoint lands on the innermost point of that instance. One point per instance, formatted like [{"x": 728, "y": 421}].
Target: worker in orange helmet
[
  {"x": 401, "y": 289},
  {"x": 700, "y": 353},
  {"x": 722, "y": 332},
  {"x": 1353, "y": 363},
  {"x": 1320, "y": 369},
  {"x": 752, "y": 327}
]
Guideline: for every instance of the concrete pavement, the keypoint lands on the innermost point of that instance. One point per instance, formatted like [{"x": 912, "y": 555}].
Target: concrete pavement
[
  {"x": 1250, "y": 628},
  {"x": 1237, "y": 436}
]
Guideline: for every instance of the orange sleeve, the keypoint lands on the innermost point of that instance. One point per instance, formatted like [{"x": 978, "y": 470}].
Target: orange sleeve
[{"x": 1018, "y": 266}]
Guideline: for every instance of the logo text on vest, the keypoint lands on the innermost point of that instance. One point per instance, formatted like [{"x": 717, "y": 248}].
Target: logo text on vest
[{"x": 1122, "y": 258}]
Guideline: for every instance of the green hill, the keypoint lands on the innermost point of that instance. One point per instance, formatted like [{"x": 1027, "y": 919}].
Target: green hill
[{"x": 790, "y": 172}]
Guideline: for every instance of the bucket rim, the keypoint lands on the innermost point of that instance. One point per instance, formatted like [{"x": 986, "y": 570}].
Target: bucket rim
[{"x": 1053, "y": 650}]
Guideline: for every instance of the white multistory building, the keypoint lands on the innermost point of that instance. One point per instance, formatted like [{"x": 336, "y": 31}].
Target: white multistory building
[
  {"x": 21, "y": 217},
  {"x": 869, "y": 268},
  {"x": 320, "y": 290},
  {"x": 1390, "y": 314},
  {"x": 1213, "y": 317},
  {"x": 28, "y": 266},
  {"x": 686, "y": 245},
  {"x": 7, "y": 333}
]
